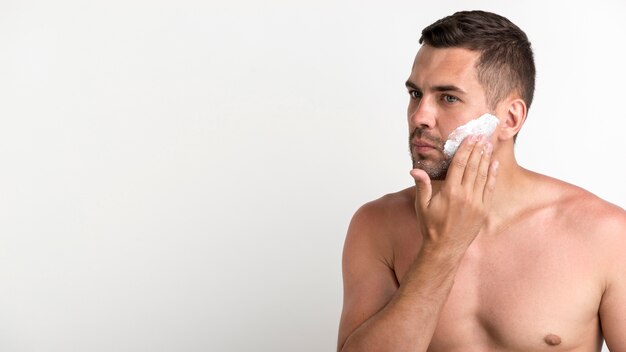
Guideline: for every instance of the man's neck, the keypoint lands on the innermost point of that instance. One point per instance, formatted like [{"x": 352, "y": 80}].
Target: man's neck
[{"x": 511, "y": 193}]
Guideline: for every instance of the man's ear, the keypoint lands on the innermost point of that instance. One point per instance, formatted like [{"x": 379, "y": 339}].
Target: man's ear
[{"x": 514, "y": 117}]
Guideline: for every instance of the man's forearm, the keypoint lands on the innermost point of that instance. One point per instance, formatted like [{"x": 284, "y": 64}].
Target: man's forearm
[
  {"x": 449, "y": 219},
  {"x": 408, "y": 321}
]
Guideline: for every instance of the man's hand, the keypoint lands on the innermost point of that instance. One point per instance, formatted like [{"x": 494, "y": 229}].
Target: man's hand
[{"x": 453, "y": 217}]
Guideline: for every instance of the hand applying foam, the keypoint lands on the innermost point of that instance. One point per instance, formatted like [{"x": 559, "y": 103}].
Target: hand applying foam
[{"x": 482, "y": 126}]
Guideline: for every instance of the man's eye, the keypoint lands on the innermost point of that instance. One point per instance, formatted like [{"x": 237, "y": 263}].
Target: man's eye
[
  {"x": 450, "y": 99},
  {"x": 415, "y": 94}
]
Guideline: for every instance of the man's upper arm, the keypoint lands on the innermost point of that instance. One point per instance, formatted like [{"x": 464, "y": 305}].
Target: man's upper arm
[
  {"x": 613, "y": 306},
  {"x": 368, "y": 279}
]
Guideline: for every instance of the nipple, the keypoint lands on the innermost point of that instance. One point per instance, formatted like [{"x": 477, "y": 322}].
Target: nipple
[{"x": 552, "y": 339}]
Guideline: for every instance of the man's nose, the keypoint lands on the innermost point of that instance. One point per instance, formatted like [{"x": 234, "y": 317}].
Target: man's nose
[{"x": 422, "y": 114}]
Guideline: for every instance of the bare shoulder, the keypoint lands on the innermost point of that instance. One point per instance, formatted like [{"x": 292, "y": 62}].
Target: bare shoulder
[
  {"x": 382, "y": 217},
  {"x": 375, "y": 225},
  {"x": 387, "y": 206},
  {"x": 584, "y": 213},
  {"x": 584, "y": 207}
]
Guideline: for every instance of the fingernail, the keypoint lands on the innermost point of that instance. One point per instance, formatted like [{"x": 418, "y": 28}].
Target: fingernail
[{"x": 488, "y": 147}]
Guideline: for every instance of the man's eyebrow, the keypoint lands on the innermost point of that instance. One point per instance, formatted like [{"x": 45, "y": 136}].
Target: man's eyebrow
[
  {"x": 448, "y": 88},
  {"x": 443, "y": 88},
  {"x": 410, "y": 84}
]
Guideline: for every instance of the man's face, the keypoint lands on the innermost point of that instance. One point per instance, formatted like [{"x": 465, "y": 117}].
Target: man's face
[{"x": 444, "y": 94}]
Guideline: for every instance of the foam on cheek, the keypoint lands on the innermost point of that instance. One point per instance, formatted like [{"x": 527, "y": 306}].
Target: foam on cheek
[{"x": 482, "y": 126}]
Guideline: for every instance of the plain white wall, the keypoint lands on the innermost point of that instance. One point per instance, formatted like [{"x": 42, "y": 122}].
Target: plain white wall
[{"x": 179, "y": 175}]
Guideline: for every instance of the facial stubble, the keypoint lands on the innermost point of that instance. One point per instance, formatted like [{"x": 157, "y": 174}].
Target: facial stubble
[{"x": 436, "y": 169}]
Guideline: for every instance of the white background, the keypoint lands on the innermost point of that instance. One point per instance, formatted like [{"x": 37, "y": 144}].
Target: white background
[{"x": 179, "y": 175}]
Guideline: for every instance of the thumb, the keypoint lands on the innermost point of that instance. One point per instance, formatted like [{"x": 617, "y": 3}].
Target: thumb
[{"x": 423, "y": 187}]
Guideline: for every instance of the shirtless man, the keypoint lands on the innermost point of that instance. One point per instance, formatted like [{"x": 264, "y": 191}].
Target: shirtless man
[{"x": 481, "y": 254}]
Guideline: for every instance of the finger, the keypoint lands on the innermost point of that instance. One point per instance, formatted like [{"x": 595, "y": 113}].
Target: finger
[
  {"x": 482, "y": 172},
  {"x": 423, "y": 188},
  {"x": 471, "y": 168},
  {"x": 459, "y": 161},
  {"x": 490, "y": 186}
]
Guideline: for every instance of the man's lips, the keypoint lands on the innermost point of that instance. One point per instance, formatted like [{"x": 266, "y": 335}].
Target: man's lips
[{"x": 423, "y": 146}]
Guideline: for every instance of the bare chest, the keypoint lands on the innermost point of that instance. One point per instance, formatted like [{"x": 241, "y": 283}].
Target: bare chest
[{"x": 520, "y": 291}]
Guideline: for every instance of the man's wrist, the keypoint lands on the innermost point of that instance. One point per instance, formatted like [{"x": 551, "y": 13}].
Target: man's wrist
[{"x": 442, "y": 252}]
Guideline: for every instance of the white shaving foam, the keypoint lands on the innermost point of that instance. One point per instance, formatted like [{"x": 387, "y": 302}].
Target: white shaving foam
[{"x": 482, "y": 126}]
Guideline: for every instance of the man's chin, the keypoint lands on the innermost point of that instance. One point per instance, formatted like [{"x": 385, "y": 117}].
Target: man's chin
[
  {"x": 438, "y": 177},
  {"x": 436, "y": 172}
]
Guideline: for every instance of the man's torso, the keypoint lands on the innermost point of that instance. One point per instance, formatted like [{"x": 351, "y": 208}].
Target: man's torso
[{"x": 534, "y": 282}]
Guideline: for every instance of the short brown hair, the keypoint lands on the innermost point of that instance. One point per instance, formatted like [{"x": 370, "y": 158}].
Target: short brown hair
[{"x": 506, "y": 61}]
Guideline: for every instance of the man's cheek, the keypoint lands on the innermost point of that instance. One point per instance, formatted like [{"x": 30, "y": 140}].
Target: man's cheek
[{"x": 484, "y": 125}]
